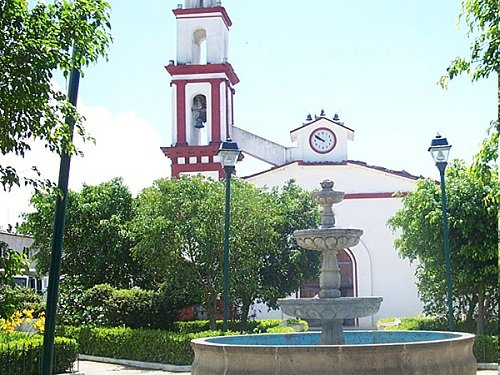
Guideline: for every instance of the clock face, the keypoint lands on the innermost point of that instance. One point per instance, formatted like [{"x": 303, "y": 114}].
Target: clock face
[{"x": 322, "y": 140}]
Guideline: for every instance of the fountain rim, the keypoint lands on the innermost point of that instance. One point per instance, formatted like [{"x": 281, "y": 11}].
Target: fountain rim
[{"x": 455, "y": 336}]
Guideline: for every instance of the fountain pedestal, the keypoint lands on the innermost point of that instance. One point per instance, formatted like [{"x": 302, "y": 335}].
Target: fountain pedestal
[{"x": 329, "y": 306}]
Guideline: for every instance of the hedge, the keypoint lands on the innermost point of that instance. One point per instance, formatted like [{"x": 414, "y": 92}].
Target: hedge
[
  {"x": 485, "y": 346},
  {"x": 20, "y": 354},
  {"x": 137, "y": 344},
  {"x": 158, "y": 346},
  {"x": 251, "y": 326}
]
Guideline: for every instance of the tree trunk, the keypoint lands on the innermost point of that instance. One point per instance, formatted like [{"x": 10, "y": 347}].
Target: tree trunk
[
  {"x": 480, "y": 313},
  {"x": 469, "y": 318},
  {"x": 245, "y": 310},
  {"x": 211, "y": 306}
]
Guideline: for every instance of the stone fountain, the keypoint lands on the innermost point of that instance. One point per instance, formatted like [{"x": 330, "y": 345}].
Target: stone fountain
[
  {"x": 333, "y": 352},
  {"x": 330, "y": 306}
]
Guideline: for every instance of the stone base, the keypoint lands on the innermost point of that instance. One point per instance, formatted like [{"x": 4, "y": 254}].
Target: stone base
[{"x": 265, "y": 355}]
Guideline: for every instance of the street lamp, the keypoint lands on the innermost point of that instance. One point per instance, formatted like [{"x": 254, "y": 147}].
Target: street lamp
[
  {"x": 228, "y": 155},
  {"x": 440, "y": 150}
]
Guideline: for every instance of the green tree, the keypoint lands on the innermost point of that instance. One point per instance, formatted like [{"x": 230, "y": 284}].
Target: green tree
[
  {"x": 482, "y": 19},
  {"x": 11, "y": 263},
  {"x": 472, "y": 212},
  {"x": 180, "y": 224},
  {"x": 179, "y": 227},
  {"x": 35, "y": 43},
  {"x": 97, "y": 239},
  {"x": 290, "y": 265}
]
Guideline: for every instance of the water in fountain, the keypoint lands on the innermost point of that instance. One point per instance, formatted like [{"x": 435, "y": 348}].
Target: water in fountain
[{"x": 330, "y": 306}]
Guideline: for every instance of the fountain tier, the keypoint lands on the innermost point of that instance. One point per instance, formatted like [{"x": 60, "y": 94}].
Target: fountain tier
[{"x": 329, "y": 307}]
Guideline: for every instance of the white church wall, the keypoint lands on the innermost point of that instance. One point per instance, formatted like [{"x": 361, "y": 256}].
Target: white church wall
[{"x": 392, "y": 277}]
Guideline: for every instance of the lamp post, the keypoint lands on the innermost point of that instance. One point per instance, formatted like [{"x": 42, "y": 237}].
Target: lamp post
[
  {"x": 228, "y": 155},
  {"x": 440, "y": 150}
]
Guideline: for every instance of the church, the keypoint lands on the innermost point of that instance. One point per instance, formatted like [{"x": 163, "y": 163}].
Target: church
[{"x": 203, "y": 81}]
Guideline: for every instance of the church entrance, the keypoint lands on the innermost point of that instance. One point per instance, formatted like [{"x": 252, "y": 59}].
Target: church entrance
[{"x": 310, "y": 288}]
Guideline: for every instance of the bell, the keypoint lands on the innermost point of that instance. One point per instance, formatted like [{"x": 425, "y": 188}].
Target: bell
[{"x": 199, "y": 124}]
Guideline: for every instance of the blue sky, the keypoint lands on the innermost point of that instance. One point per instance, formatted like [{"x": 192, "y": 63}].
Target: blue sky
[{"x": 376, "y": 63}]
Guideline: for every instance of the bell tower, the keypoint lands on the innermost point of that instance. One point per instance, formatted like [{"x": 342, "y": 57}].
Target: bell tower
[{"x": 202, "y": 88}]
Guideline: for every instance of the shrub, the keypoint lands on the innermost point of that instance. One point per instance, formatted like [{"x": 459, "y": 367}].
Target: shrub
[
  {"x": 105, "y": 306},
  {"x": 19, "y": 298},
  {"x": 156, "y": 345},
  {"x": 486, "y": 349},
  {"x": 485, "y": 346},
  {"x": 251, "y": 326},
  {"x": 21, "y": 354},
  {"x": 137, "y": 344}
]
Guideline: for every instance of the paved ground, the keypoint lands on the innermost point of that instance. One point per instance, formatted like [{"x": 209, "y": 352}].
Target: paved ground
[{"x": 95, "y": 368}]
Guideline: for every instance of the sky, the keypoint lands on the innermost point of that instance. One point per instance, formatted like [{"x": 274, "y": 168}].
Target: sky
[{"x": 374, "y": 62}]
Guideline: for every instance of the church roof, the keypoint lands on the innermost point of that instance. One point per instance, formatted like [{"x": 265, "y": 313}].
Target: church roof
[
  {"x": 339, "y": 123},
  {"x": 402, "y": 173}
]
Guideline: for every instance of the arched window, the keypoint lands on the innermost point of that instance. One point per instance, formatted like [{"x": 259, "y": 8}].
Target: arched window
[
  {"x": 198, "y": 121},
  {"x": 200, "y": 47}
]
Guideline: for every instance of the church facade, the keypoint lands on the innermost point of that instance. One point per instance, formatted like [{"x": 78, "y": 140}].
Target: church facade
[{"x": 203, "y": 88}]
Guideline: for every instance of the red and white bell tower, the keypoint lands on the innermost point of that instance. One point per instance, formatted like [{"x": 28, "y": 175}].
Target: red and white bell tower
[{"x": 202, "y": 88}]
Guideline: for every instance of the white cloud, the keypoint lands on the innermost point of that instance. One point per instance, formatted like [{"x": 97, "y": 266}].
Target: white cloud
[{"x": 126, "y": 146}]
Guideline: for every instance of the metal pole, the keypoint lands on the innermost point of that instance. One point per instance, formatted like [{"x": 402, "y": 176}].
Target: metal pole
[
  {"x": 228, "y": 170},
  {"x": 449, "y": 290},
  {"x": 57, "y": 237}
]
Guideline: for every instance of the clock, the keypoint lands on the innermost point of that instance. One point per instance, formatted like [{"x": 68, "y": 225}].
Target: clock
[{"x": 322, "y": 140}]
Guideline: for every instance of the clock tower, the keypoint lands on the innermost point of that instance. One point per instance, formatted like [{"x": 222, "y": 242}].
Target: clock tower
[{"x": 202, "y": 88}]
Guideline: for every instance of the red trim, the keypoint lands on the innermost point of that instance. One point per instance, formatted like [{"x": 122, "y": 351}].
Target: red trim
[
  {"x": 225, "y": 68},
  {"x": 329, "y": 131},
  {"x": 321, "y": 118},
  {"x": 232, "y": 106},
  {"x": 216, "y": 110},
  {"x": 181, "y": 112},
  {"x": 189, "y": 151},
  {"x": 217, "y": 11},
  {"x": 177, "y": 169},
  {"x": 227, "y": 110}
]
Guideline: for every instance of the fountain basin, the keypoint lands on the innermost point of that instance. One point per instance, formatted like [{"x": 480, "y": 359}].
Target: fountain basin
[
  {"x": 327, "y": 238},
  {"x": 365, "y": 352},
  {"x": 331, "y": 308}
]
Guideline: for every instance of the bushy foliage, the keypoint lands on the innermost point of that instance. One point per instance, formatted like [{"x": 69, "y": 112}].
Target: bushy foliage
[
  {"x": 249, "y": 326},
  {"x": 137, "y": 344},
  {"x": 436, "y": 324},
  {"x": 179, "y": 228},
  {"x": 97, "y": 241},
  {"x": 11, "y": 264},
  {"x": 16, "y": 298},
  {"x": 21, "y": 354},
  {"x": 36, "y": 40},
  {"x": 486, "y": 349},
  {"x": 485, "y": 346},
  {"x": 103, "y": 305},
  {"x": 157, "y": 345},
  {"x": 473, "y": 234}
]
